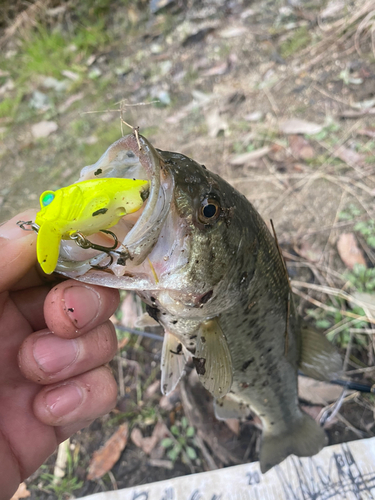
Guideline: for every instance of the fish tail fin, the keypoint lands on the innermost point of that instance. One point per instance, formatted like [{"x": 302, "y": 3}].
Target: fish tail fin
[{"x": 304, "y": 438}]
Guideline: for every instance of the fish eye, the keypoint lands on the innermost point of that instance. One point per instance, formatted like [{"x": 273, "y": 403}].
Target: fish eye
[
  {"x": 209, "y": 211},
  {"x": 47, "y": 198}
]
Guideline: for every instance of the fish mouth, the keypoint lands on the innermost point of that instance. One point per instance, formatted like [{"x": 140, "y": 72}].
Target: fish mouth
[{"x": 130, "y": 157}]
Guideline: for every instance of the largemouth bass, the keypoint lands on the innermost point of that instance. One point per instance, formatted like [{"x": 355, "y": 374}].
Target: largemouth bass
[{"x": 211, "y": 274}]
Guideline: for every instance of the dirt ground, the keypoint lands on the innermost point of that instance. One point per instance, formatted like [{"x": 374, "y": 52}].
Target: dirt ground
[{"x": 278, "y": 97}]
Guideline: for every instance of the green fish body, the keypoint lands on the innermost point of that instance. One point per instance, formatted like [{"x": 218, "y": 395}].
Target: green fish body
[{"x": 212, "y": 275}]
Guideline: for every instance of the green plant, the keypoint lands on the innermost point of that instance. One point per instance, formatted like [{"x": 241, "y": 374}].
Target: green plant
[
  {"x": 365, "y": 228},
  {"x": 181, "y": 442},
  {"x": 297, "y": 41},
  {"x": 361, "y": 278},
  {"x": 64, "y": 487}
]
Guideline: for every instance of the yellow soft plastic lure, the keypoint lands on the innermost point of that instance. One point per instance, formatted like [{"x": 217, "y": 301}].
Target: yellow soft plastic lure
[{"x": 87, "y": 207}]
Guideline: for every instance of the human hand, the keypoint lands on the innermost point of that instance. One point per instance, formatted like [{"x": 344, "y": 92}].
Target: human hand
[{"x": 54, "y": 341}]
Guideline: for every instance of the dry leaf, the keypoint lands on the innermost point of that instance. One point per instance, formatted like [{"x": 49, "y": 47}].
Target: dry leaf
[
  {"x": 297, "y": 126},
  {"x": 105, "y": 458},
  {"x": 233, "y": 424},
  {"x": 43, "y": 129},
  {"x": 22, "y": 492},
  {"x": 248, "y": 158},
  {"x": 316, "y": 392},
  {"x": 215, "y": 123},
  {"x": 369, "y": 132},
  {"x": 349, "y": 251},
  {"x": 301, "y": 148},
  {"x": 147, "y": 444},
  {"x": 310, "y": 251},
  {"x": 349, "y": 156}
]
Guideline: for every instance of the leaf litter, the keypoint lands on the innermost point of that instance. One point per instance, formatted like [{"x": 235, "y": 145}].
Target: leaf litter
[{"x": 282, "y": 115}]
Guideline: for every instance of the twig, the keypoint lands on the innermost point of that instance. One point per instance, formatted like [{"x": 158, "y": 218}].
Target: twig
[{"x": 332, "y": 309}]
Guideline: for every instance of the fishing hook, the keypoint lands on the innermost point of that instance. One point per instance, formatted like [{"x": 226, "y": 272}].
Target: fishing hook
[
  {"x": 33, "y": 227},
  {"x": 84, "y": 243}
]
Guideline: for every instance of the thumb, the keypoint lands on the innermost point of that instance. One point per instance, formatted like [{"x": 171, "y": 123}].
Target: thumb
[{"x": 17, "y": 250}]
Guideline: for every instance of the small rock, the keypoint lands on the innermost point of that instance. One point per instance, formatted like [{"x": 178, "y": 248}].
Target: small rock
[
  {"x": 43, "y": 129},
  {"x": 39, "y": 100}
]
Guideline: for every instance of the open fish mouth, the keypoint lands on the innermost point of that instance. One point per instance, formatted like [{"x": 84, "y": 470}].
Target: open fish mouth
[{"x": 137, "y": 233}]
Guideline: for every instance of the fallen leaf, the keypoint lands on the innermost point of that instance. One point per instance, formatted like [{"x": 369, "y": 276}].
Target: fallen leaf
[
  {"x": 316, "y": 392},
  {"x": 219, "y": 69},
  {"x": 351, "y": 113},
  {"x": 215, "y": 123},
  {"x": 248, "y": 158},
  {"x": 297, "y": 126},
  {"x": 71, "y": 100},
  {"x": 349, "y": 156},
  {"x": 105, "y": 458},
  {"x": 300, "y": 147},
  {"x": 233, "y": 31},
  {"x": 147, "y": 444},
  {"x": 255, "y": 116},
  {"x": 151, "y": 390},
  {"x": 310, "y": 251},
  {"x": 43, "y": 129},
  {"x": 369, "y": 132},
  {"x": 233, "y": 424},
  {"x": 349, "y": 251},
  {"x": 333, "y": 9},
  {"x": 22, "y": 492},
  {"x": 70, "y": 74}
]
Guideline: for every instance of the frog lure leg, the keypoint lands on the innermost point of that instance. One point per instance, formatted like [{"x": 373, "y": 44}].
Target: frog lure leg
[{"x": 83, "y": 209}]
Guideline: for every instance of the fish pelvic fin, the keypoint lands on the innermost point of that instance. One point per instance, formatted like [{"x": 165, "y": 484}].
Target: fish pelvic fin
[
  {"x": 48, "y": 246},
  {"x": 212, "y": 359},
  {"x": 230, "y": 407},
  {"x": 319, "y": 359},
  {"x": 173, "y": 360},
  {"x": 304, "y": 438}
]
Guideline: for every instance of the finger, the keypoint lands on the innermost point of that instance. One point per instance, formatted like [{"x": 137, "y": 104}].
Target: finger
[
  {"x": 30, "y": 303},
  {"x": 46, "y": 358},
  {"x": 73, "y": 308},
  {"x": 17, "y": 250},
  {"x": 77, "y": 400}
]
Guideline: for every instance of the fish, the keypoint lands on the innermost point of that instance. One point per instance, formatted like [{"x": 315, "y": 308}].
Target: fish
[
  {"x": 86, "y": 207},
  {"x": 211, "y": 273}
]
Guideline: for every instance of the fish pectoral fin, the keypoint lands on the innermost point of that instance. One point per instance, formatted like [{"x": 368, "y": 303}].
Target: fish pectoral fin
[
  {"x": 173, "y": 360},
  {"x": 319, "y": 359},
  {"x": 146, "y": 321},
  {"x": 212, "y": 359},
  {"x": 48, "y": 246},
  {"x": 230, "y": 407},
  {"x": 304, "y": 438}
]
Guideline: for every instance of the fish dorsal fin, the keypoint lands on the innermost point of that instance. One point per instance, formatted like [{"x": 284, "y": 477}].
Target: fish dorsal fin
[
  {"x": 319, "y": 359},
  {"x": 48, "y": 246},
  {"x": 230, "y": 407},
  {"x": 212, "y": 359},
  {"x": 173, "y": 360}
]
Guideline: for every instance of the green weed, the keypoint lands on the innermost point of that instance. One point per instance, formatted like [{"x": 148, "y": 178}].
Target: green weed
[
  {"x": 182, "y": 442},
  {"x": 299, "y": 40},
  {"x": 64, "y": 487}
]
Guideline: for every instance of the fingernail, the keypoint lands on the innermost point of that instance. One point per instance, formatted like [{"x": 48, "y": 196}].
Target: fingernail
[
  {"x": 81, "y": 305},
  {"x": 63, "y": 400},
  {"x": 53, "y": 354}
]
